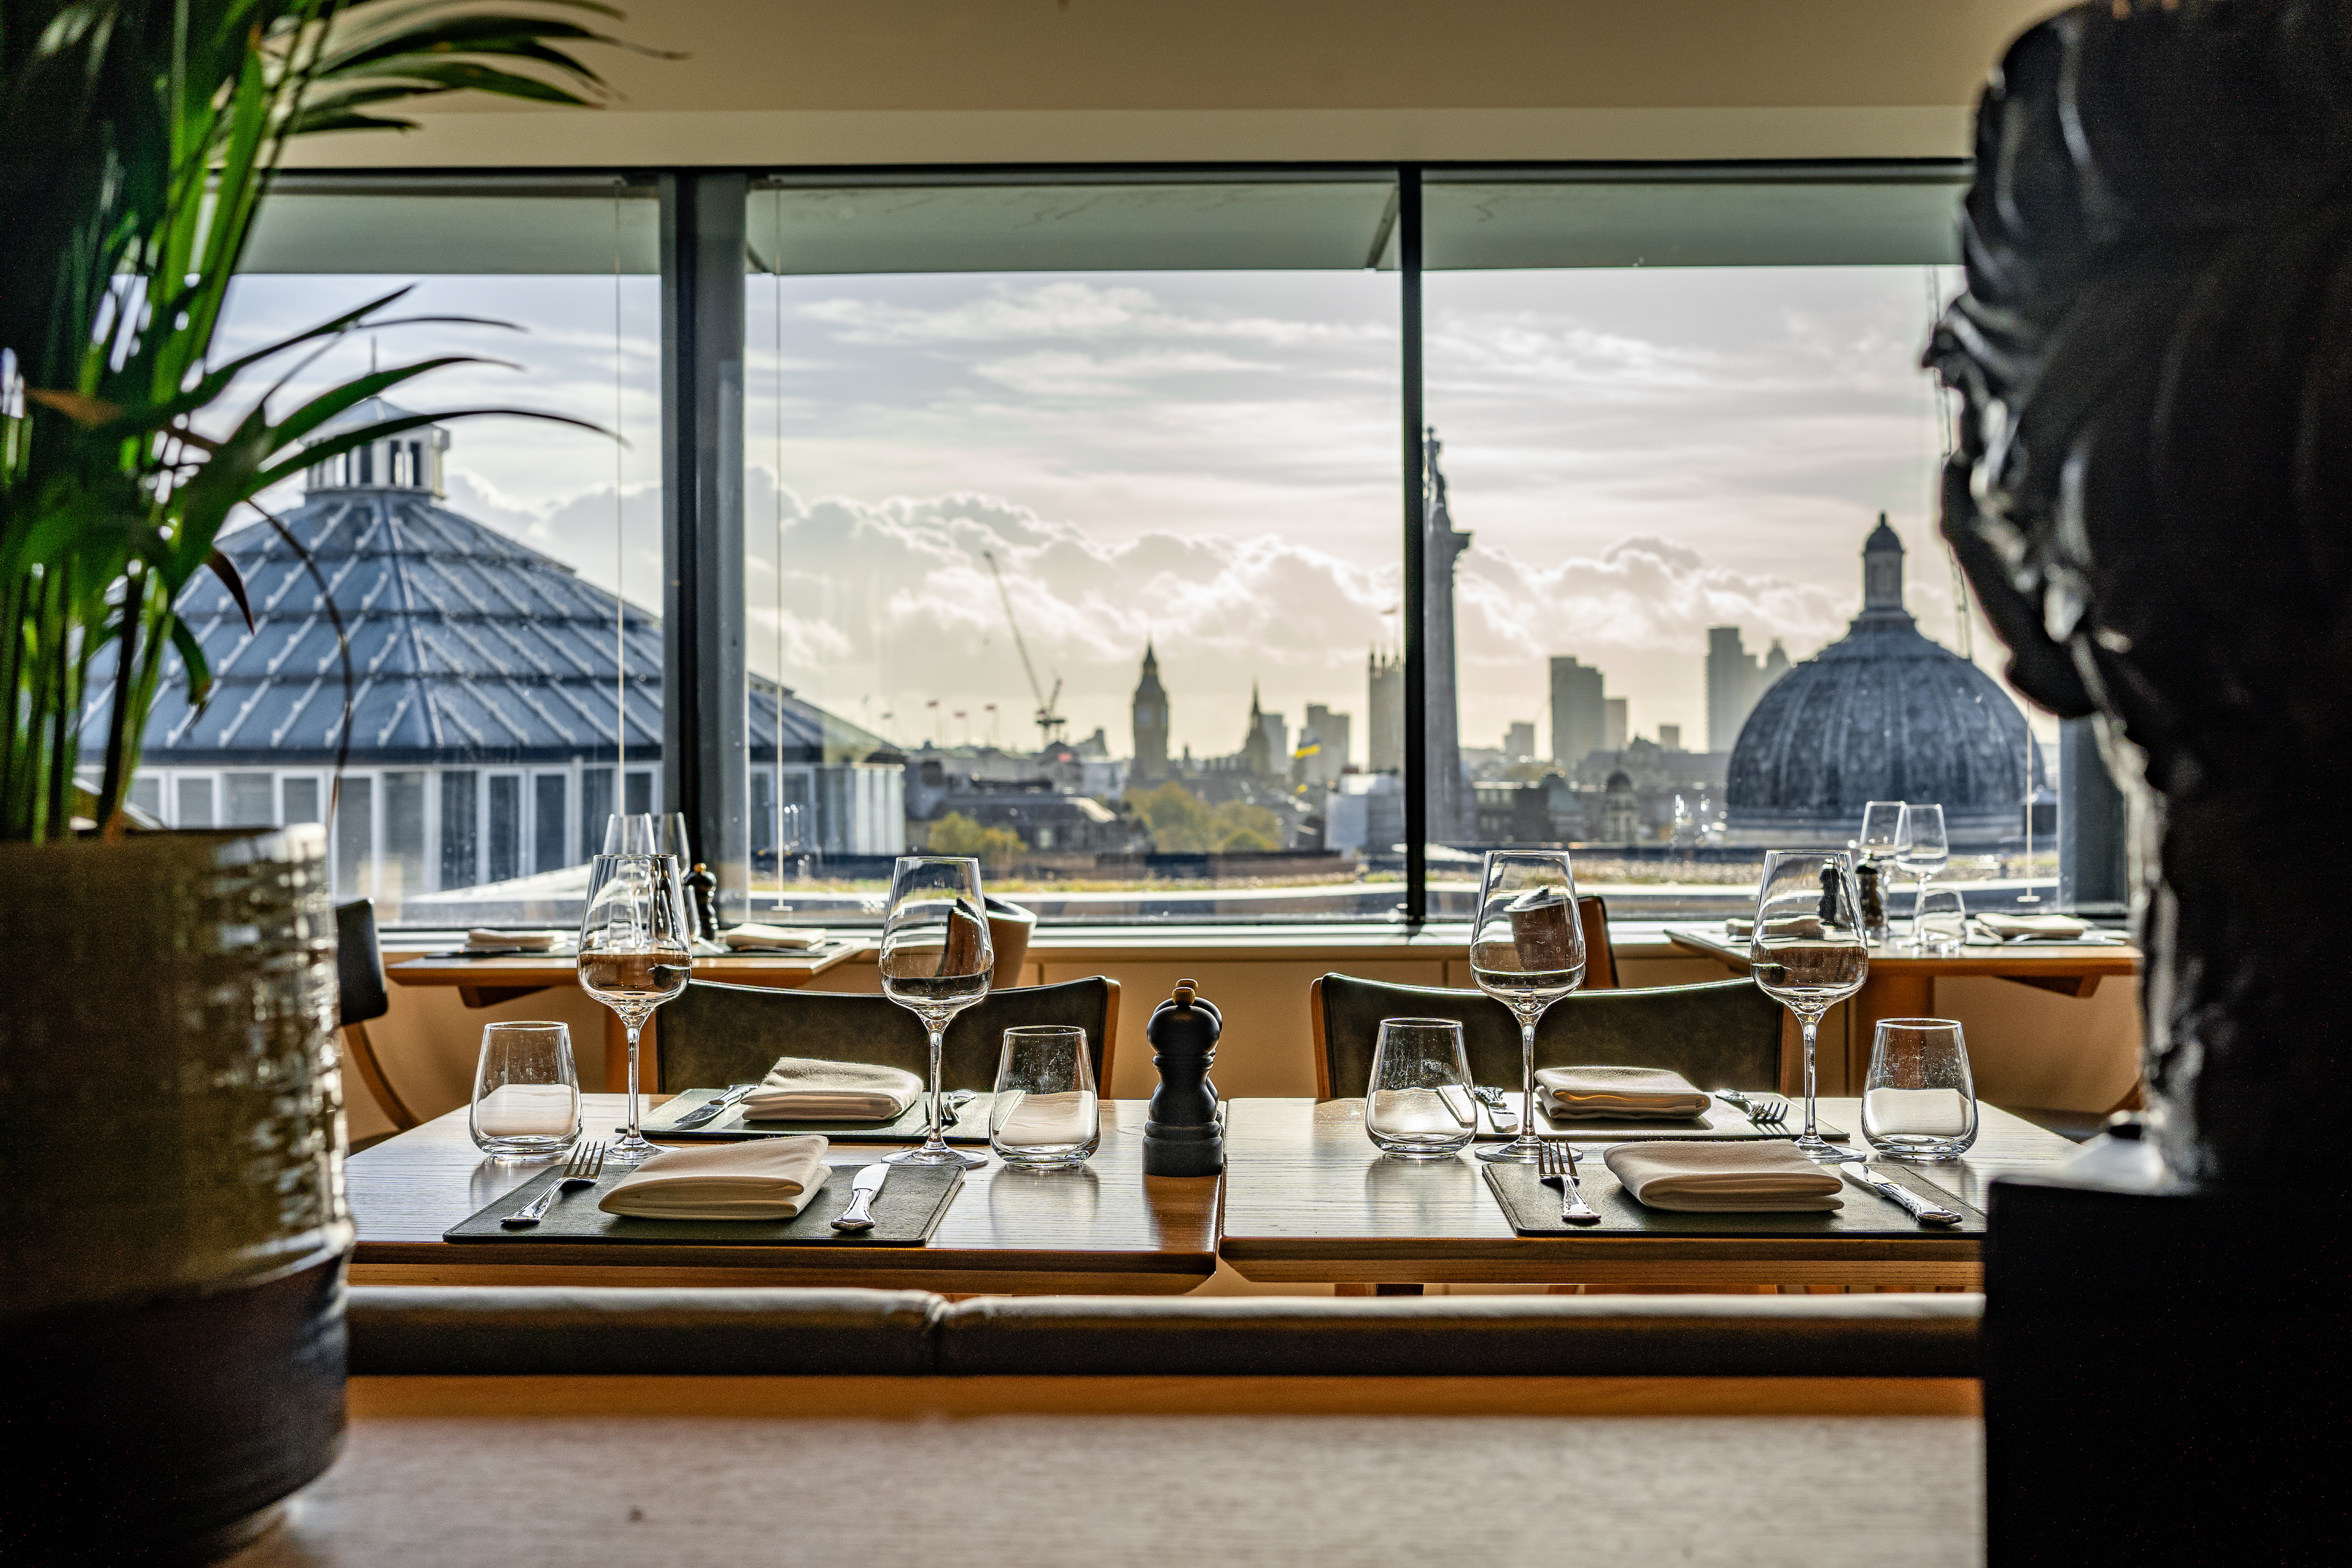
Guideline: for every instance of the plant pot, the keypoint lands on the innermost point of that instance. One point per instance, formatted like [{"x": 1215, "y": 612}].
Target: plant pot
[{"x": 172, "y": 1226}]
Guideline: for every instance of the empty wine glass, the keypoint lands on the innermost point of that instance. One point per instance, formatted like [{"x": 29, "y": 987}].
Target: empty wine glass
[
  {"x": 1921, "y": 849},
  {"x": 1881, "y": 830},
  {"x": 936, "y": 960},
  {"x": 1527, "y": 951},
  {"x": 634, "y": 956},
  {"x": 633, "y": 833},
  {"x": 1807, "y": 953}
]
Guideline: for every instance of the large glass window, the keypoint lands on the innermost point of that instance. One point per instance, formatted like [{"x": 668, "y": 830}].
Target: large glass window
[
  {"x": 1072, "y": 521},
  {"x": 498, "y": 578}
]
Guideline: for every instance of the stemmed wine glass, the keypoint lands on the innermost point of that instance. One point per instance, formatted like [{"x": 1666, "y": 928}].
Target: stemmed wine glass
[
  {"x": 634, "y": 956},
  {"x": 1920, "y": 848},
  {"x": 936, "y": 960},
  {"x": 1808, "y": 952},
  {"x": 1527, "y": 951},
  {"x": 1881, "y": 830}
]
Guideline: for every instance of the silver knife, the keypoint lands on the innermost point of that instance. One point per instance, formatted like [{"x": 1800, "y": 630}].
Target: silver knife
[
  {"x": 1458, "y": 1104},
  {"x": 1919, "y": 1208},
  {"x": 859, "y": 1215},
  {"x": 1505, "y": 1121},
  {"x": 712, "y": 1109}
]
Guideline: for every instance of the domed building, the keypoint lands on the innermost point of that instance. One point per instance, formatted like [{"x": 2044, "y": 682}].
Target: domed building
[{"x": 1882, "y": 713}]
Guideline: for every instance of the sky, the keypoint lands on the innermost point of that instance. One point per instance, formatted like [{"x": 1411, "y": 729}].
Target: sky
[{"x": 1211, "y": 461}]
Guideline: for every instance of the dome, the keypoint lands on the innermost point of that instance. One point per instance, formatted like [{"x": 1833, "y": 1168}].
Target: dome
[{"x": 1882, "y": 713}]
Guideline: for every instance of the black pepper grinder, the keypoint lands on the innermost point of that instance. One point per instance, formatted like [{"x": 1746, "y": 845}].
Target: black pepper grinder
[
  {"x": 1182, "y": 1136},
  {"x": 1870, "y": 879},
  {"x": 703, "y": 903}
]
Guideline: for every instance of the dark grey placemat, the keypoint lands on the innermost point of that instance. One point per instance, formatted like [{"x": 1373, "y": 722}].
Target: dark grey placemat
[
  {"x": 971, "y": 1124},
  {"x": 1533, "y": 1208},
  {"x": 905, "y": 1212},
  {"x": 1721, "y": 1123}
]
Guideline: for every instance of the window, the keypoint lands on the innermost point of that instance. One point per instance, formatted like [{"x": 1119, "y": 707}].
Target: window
[
  {"x": 250, "y": 800},
  {"x": 195, "y": 803},
  {"x": 460, "y": 829},
  {"x": 547, "y": 839},
  {"x": 302, "y": 797},
  {"x": 505, "y": 835}
]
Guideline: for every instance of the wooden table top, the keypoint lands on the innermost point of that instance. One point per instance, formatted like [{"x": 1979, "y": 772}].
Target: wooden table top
[
  {"x": 531, "y": 972},
  {"x": 1308, "y": 1198},
  {"x": 1105, "y": 1227},
  {"x": 2009, "y": 961}
]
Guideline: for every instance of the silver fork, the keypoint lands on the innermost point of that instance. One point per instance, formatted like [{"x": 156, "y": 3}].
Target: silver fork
[
  {"x": 1767, "y": 1110},
  {"x": 586, "y": 1163},
  {"x": 1556, "y": 1167}
]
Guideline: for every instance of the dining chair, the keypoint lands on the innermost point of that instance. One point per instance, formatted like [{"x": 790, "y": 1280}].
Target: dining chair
[
  {"x": 359, "y": 978},
  {"x": 717, "y": 1034},
  {"x": 1723, "y": 1034},
  {"x": 1009, "y": 930},
  {"x": 1600, "y": 957}
]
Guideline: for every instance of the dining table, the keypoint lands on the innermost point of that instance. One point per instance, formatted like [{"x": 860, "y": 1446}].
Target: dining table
[
  {"x": 1308, "y": 1198},
  {"x": 486, "y": 979},
  {"x": 1903, "y": 975},
  {"x": 1103, "y": 1227}
]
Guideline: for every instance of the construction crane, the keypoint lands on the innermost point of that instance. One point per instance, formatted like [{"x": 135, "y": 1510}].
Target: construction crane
[{"x": 1049, "y": 721}]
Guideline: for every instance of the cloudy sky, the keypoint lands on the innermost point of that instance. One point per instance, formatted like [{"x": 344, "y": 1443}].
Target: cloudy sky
[{"x": 1210, "y": 460}]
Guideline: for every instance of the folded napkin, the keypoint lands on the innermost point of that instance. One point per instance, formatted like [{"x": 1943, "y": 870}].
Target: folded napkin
[
  {"x": 768, "y": 1178},
  {"x": 755, "y": 938},
  {"x": 510, "y": 941},
  {"x": 1739, "y": 926},
  {"x": 803, "y": 1089},
  {"x": 1622, "y": 1092},
  {"x": 2034, "y": 927},
  {"x": 1723, "y": 1178},
  {"x": 1049, "y": 1120}
]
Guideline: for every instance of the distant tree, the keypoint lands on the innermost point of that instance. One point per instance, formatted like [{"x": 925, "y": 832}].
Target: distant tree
[
  {"x": 1181, "y": 824},
  {"x": 996, "y": 848}
]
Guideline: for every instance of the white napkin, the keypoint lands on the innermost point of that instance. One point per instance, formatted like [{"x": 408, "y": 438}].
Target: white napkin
[
  {"x": 528, "y": 1110},
  {"x": 767, "y": 1178},
  {"x": 1049, "y": 1120},
  {"x": 751, "y": 937},
  {"x": 2034, "y": 927},
  {"x": 1723, "y": 1178},
  {"x": 803, "y": 1089},
  {"x": 1631, "y": 1093},
  {"x": 509, "y": 941}
]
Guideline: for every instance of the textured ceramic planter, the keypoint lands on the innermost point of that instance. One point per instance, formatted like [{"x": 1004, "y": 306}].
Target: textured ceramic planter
[{"x": 172, "y": 1226}]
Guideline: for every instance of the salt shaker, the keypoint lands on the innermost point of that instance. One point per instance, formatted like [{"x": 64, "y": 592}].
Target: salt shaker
[{"x": 1182, "y": 1136}]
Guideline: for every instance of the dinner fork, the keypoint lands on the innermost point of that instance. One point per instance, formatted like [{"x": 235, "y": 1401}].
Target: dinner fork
[
  {"x": 1767, "y": 1110},
  {"x": 1556, "y": 1166},
  {"x": 586, "y": 1163}
]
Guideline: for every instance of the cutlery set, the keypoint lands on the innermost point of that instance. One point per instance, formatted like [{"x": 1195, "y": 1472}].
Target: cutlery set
[{"x": 587, "y": 1164}]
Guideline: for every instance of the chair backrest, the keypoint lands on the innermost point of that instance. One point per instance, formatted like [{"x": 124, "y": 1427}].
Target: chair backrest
[
  {"x": 359, "y": 964},
  {"x": 1724, "y": 1034},
  {"x": 1600, "y": 957},
  {"x": 717, "y": 1034},
  {"x": 1009, "y": 928}
]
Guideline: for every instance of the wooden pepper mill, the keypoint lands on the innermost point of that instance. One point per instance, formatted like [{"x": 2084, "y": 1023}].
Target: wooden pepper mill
[{"x": 1182, "y": 1136}]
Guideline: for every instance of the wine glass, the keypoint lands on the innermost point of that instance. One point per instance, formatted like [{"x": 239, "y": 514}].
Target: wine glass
[
  {"x": 1922, "y": 850},
  {"x": 633, "y": 833},
  {"x": 1808, "y": 953},
  {"x": 633, "y": 954},
  {"x": 1527, "y": 951},
  {"x": 1881, "y": 830},
  {"x": 936, "y": 960}
]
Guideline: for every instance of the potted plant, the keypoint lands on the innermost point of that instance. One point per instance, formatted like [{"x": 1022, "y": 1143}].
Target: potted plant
[{"x": 174, "y": 1233}]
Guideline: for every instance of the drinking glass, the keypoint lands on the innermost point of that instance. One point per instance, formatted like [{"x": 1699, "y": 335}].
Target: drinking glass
[
  {"x": 1881, "y": 830},
  {"x": 635, "y": 955},
  {"x": 1405, "y": 1114},
  {"x": 632, "y": 834},
  {"x": 934, "y": 963},
  {"x": 1045, "y": 1116},
  {"x": 1527, "y": 951},
  {"x": 1921, "y": 849},
  {"x": 526, "y": 1092},
  {"x": 1918, "y": 1102},
  {"x": 1807, "y": 952},
  {"x": 1940, "y": 925}
]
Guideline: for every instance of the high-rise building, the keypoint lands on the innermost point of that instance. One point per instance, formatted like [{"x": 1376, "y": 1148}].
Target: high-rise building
[
  {"x": 1331, "y": 734},
  {"x": 1736, "y": 683},
  {"x": 1452, "y": 812},
  {"x": 1385, "y": 744},
  {"x": 1150, "y": 712},
  {"x": 1579, "y": 720},
  {"x": 1519, "y": 741},
  {"x": 1614, "y": 726},
  {"x": 1670, "y": 737}
]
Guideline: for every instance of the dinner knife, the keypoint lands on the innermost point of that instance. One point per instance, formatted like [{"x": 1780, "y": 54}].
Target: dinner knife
[
  {"x": 1458, "y": 1104},
  {"x": 1919, "y": 1208},
  {"x": 859, "y": 1215},
  {"x": 1505, "y": 1121},
  {"x": 712, "y": 1109}
]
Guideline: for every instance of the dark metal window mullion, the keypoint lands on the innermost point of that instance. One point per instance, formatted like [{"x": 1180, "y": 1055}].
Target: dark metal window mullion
[{"x": 1416, "y": 669}]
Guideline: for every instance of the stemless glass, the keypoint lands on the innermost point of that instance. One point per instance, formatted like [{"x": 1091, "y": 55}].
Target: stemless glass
[
  {"x": 1527, "y": 951},
  {"x": 526, "y": 1092},
  {"x": 1405, "y": 1110},
  {"x": 1922, "y": 850},
  {"x": 634, "y": 956},
  {"x": 1045, "y": 1116},
  {"x": 1940, "y": 924},
  {"x": 1807, "y": 953},
  {"x": 1918, "y": 1102},
  {"x": 936, "y": 960}
]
